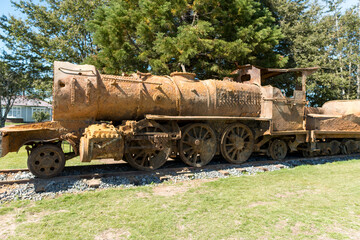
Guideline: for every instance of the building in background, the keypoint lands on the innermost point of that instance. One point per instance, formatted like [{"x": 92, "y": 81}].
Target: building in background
[{"x": 23, "y": 109}]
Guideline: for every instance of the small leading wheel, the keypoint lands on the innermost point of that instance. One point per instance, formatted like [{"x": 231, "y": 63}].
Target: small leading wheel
[
  {"x": 237, "y": 143},
  {"x": 142, "y": 153},
  {"x": 197, "y": 145},
  {"x": 278, "y": 149},
  {"x": 46, "y": 161}
]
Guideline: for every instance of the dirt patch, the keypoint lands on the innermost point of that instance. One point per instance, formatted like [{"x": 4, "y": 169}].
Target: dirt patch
[
  {"x": 296, "y": 193},
  {"x": 181, "y": 227},
  {"x": 142, "y": 195},
  {"x": 8, "y": 222},
  {"x": 296, "y": 229},
  {"x": 281, "y": 224},
  {"x": 349, "y": 122},
  {"x": 350, "y": 233},
  {"x": 324, "y": 237},
  {"x": 255, "y": 204},
  {"x": 37, "y": 217},
  {"x": 110, "y": 161},
  {"x": 113, "y": 234},
  {"x": 171, "y": 190},
  {"x": 7, "y": 225}
]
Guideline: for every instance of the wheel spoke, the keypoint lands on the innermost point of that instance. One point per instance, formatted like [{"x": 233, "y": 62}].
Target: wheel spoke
[
  {"x": 195, "y": 157},
  {"x": 238, "y": 155},
  {"x": 200, "y": 132},
  {"x": 139, "y": 154},
  {"x": 187, "y": 149},
  {"x": 233, "y": 154},
  {"x": 143, "y": 160},
  {"x": 188, "y": 143},
  {"x": 232, "y": 149},
  {"x": 191, "y": 153},
  {"x": 194, "y": 131},
  {"x": 242, "y": 132}
]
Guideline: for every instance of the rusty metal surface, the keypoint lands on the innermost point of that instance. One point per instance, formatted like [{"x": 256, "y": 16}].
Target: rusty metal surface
[
  {"x": 13, "y": 137},
  {"x": 341, "y": 107},
  {"x": 83, "y": 96},
  {"x": 144, "y": 118},
  {"x": 101, "y": 141}
]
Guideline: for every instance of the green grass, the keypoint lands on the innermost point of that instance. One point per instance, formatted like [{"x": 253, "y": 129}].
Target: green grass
[
  {"x": 11, "y": 123},
  {"x": 307, "y": 202}
]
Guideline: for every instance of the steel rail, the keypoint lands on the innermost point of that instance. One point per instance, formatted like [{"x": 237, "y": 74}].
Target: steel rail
[{"x": 167, "y": 171}]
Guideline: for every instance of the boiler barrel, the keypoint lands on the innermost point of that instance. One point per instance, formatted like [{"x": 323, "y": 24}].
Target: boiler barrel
[{"x": 81, "y": 93}]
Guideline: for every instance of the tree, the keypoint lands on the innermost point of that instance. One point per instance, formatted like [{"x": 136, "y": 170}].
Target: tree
[
  {"x": 304, "y": 44},
  {"x": 11, "y": 84},
  {"x": 205, "y": 37},
  {"x": 349, "y": 49},
  {"x": 50, "y": 30}
]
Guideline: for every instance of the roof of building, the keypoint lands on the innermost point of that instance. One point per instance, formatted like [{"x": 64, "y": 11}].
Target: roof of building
[{"x": 31, "y": 102}]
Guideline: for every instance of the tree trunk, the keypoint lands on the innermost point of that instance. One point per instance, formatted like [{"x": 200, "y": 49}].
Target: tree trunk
[
  {"x": 349, "y": 83},
  {"x": 358, "y": 82}
]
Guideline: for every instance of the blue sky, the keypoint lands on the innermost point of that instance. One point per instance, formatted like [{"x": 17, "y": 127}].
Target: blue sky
[{"x": 6, "y": 8}]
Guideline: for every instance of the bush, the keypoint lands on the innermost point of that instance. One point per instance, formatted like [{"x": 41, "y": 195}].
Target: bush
[{"x": 41, "y": 116}]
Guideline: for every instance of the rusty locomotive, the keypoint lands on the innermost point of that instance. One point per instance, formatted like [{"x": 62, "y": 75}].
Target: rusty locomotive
[{"x": 143, "y": 119}]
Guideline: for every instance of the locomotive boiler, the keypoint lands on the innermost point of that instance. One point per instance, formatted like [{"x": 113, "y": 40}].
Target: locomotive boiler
[{"x": 143, "y": 119}]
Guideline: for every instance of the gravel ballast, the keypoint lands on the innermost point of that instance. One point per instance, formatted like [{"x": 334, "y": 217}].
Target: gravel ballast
[{"x": 48, "y": 188}]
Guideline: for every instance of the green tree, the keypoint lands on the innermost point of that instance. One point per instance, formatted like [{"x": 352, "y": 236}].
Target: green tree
[
  {"x": 305, "y": 44},
  {"x": 205, "y": 37},
  {"x": 12, "y": 83},
  {"x": 49, "y": 30},
  {"x": 348, "y": 47}
]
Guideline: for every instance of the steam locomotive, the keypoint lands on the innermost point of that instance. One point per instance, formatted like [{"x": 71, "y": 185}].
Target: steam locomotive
[{"x": 144, "y": 119}]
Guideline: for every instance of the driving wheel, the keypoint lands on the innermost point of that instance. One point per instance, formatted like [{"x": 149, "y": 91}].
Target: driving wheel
[
  {"x": 197, "y": 145},
  {"x": 237, "y": 143},
  {"x": 143, "y": 152}
]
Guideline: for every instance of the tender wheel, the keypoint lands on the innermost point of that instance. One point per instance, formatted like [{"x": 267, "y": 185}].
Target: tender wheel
[
  {"x": 307, "y": 153},
  {"x": 334, "y": 147},
  {"x": 142, "y": 154},
  {"x": 237, "y": 143},
  {"x": 197, "y": 145},
  {"x": 46, "y": 161},
  {"x": 349, "y": 147},
  {"x": 278, "y": 149}
]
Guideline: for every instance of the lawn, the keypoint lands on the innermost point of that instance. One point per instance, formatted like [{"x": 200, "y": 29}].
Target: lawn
[
  {"x": 306, "y": 202},
  {"x": 11, "y": 123}
]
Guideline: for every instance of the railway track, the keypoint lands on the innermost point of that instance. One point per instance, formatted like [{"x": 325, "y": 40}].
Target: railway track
[{"x": 164, "y": 172}]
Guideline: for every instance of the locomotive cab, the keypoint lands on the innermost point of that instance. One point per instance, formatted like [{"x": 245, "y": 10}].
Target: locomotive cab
[{"x": 287, "y": 114}]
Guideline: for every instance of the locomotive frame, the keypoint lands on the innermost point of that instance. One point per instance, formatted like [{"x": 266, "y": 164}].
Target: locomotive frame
[{"x": 245, "y": 117}]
